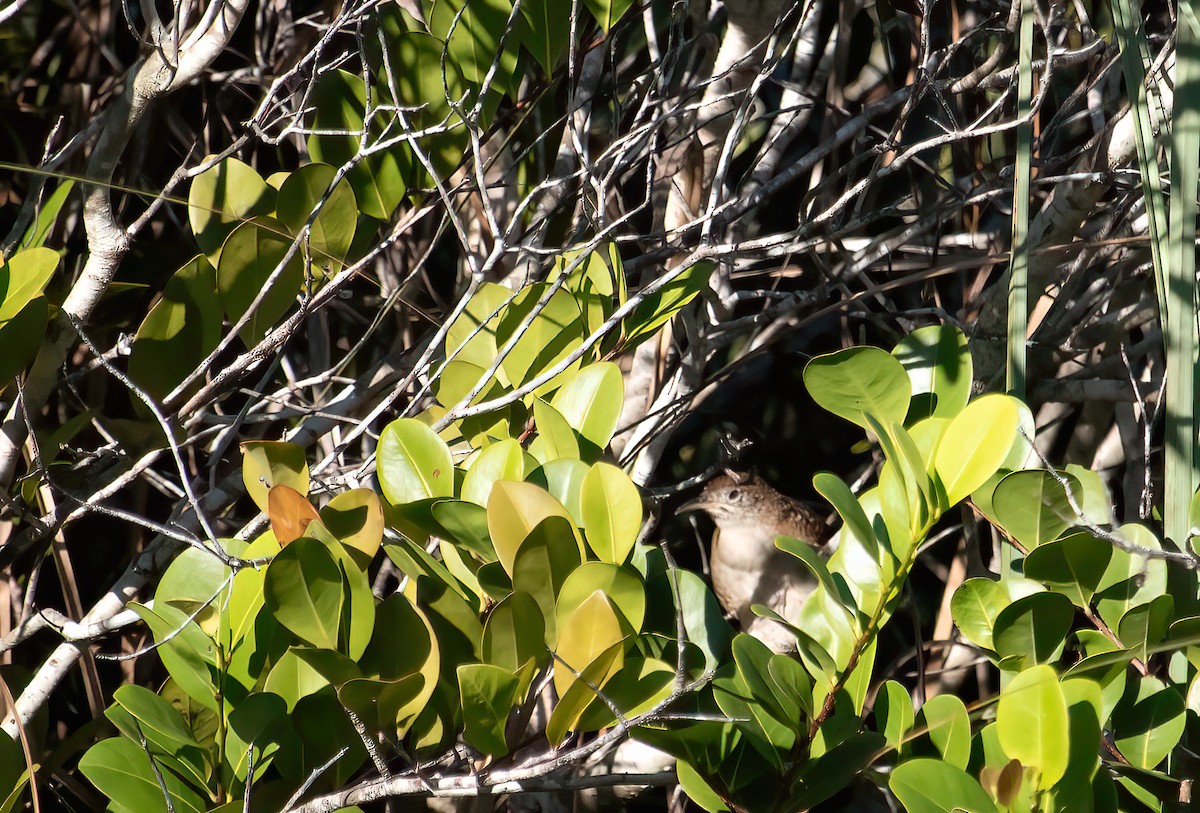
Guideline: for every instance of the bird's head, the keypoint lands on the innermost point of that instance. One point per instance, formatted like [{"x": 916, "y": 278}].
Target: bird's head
[{"x": 730, "y": 498}]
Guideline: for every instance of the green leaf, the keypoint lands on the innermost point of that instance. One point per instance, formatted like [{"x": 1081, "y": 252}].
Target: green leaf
[
  {"x": 304, "y": 591},
  {"x": 975, "y": 444},
  {"x": 180, "y": 330},
  {"x": 249, "y": 259},
  {"x": 834, "y": 489},
  {"x": 932, "y": 786},
  {"x": 466, "y": 524},
  {"x": 1033, "y": 628},
  {"x": 23, "y": 277},
  {"x": 1072, "y": 566},
  {"x": 514, "y": 633},
  {"x": 301, "y": 672},
  {"x": 514, "y": 510},
  {"x": 939, "y": 366},
  {"x": 1032, "y": 723},
  {"x": 857, "y": 382},
  {"x": 589, "y": 632},
  {"x": 270, "y": 463},
  {"x": 641, "y": 684},
  {"x": 21, "y": 338},
  {"x": 1130, "y": 579},
  {"x": 121, "y": 770},
  {"x": 564, "y": 480},
  {"x": 612, "y": 512},
  {"x": 404, "y": 644},
  {"x": 703, "y": 619},
  {"x": 945, "y": 720},
  {"x": 545, "y": 32},
  {"x": 1148, "y": 722},
  {"x": 591, "y": 402},
  {"x": 413, "y": 463},
  {"x": 503, "y": 460},
  {"x": 488, "y": 694},
  {"x": 698, "y": 790},
  {"x": 222, "y": 198},
  {"x": 157, "y": 718},
  {"x": 754, "y": 660},
  {"x": 187, "y": 653},
  {"x": 621, "y": 585},
  {"x": 1033, "y": 505},
  {"x": 894, "y": 713},
  {"x": 543, "y": 563},
  {"x": 555, "y": 439},
  {"x": 657, "y": 308},
  {"x": 473, "y": 44},
  {"x": 607, "y": 12},
  {"x": 355, "y": 517},
  {"x": 554, "y": 333},
  {"x": 472, "y": 336},
  {"x": 339, "y": 100},
  {"x": 332, "y": 231},
  {"x": 259, "y": 721},
  {"x": 1145, "y": 625}
]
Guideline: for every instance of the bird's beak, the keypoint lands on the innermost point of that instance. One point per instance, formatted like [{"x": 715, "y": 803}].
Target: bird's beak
[{"x": 698, "y": 504}]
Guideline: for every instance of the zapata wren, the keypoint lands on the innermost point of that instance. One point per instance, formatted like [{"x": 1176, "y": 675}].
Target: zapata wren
[{"x": 746, "y": 567}]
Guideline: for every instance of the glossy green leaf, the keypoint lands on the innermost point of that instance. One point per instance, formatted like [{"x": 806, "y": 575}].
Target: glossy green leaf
[
  {"x": 332, "y": 230},
  {"x": 488, "y": 694},
  {"x": 269, "y": 463},
  {"x": 621, "y": 585},
  {"x": 1130, "y": 579},
  {"x": 607, "y": 12},
  {"x": 641, "y": 684},
  {"x": 304, "y": 591},
  {"x": 569, "y": 710},
  {"x": 589, "y": 631},
  {"x": 545, "y": 32},
  {"x": 355, "y": 518},
  {"x": 250, "y": 257},
  {"x": 1145, "y": 625},
  {"x": 564, "y": 480},
  {"x": 187, "y": 653},
  {"x": 472, "y": 336},
  {"x": 1033, "y": 628},
  {"x": 222, "y": 198},
  {"x": 857, "y": 382},
  {"x": 21, "y": 338},
  {"x": 894, "y": 713},
  {"x": 514, "y": 510},
  {"x": 698, "y": 790},
  {"x": 555, "y": 439},
  {"x": 553, "y": 333},
  {"x": 1148, "y": 722},
  {"x": 503, "y": 460},
  {"x": 404, "y": 644},
  {"x": 301, "y": 672},
  {"x": 543, "y": 563},
  {"x": 473, "y": 38},
  {"x": 932, "y": 786},
  {"x": 466, "y": 524},
  {"x": 975, "y": 444},
  {"x": 703, "y": 619},
  {"x": 157, "y": 718},
  {"x": 259, "y": 721},
  {"x": 121, "y": 769},
  {"x": 612, "y": 512},
  {"x": 413, "y": 463},
  {"x": 514, "y": 633},
  {"x": 1072, "y": 566},
  {"x": 591, "y": 402},
  {"x": 1033, "y": 506},
  {"x": 1032, "y": 723},
  {"x": 754, "y": 660},
  {"x": 656, "y": 309},
  {"x": 834, "y": 489},
  {"x": 181, "y": 328},
  {"x": 944, "y": 718},
  {"x": 939, "y": 366},
  {"x": 767, "y": 735},
  {"x": 1093, "y": 496},
  {"x": 339, "y": 100}
]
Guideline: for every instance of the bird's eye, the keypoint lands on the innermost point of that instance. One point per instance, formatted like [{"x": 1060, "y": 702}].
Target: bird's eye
[{"x": 734, "y": 494}]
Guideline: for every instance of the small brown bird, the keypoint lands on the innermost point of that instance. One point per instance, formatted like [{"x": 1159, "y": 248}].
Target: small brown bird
[{"x": 746, "y": 567}]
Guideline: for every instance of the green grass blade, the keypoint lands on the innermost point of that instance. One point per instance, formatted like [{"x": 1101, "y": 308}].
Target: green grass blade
[
  {"x": 1180, "y": 475},
  {"x": 1018, "y": 289},
  {"x": 1134, "y": 52}
]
